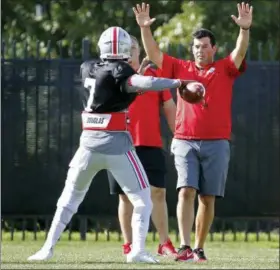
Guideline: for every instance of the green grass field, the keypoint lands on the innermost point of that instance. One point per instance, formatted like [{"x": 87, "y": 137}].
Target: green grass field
[{"x": 91, "y": 254}]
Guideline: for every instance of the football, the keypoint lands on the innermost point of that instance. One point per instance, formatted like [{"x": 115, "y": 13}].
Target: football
[{"x": 192, "y": 92}]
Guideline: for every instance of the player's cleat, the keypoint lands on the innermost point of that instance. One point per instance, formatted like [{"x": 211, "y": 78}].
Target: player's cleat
[
  {"x": 42, "y": 255},
  {"x": 167, "y": 249},
  {"x": 126, "y": 248},
  {"x": 185, "y": 254},
  {"x": 199, "y": 255},
  {"x": 142, "y": 257}
]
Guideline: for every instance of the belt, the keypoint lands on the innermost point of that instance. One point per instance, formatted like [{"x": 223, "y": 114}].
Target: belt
[{"x": 117, "y": 121}]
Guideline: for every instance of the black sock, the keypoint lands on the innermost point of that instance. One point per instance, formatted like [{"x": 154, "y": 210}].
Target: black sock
[{"x": 185, "y": 246}]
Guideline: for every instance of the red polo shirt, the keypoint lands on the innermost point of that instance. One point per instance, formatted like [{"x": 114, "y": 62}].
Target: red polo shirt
[
  {"x": 144, "y": 115},
  {"x": 212, "y": 120}
]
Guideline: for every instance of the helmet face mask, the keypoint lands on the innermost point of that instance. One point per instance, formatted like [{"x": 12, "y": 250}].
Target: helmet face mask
[{"x": 115, "y": 44}]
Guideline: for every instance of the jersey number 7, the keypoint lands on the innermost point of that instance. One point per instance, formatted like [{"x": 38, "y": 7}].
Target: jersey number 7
[{"x": 90, "y": 85}]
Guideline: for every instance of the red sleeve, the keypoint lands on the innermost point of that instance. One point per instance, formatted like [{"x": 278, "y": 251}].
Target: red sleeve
[
  {"x": 231, "y": 68},
  {"x": 169, "y": 67},
  {"x": 151, "y": 72},
  {"x": 165, "y": 95}
]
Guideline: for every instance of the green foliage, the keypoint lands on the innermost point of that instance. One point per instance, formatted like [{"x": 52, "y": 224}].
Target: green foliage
[
  {"x": 177, "y": 30},
  {"x": 215, "y": 15},
  {"x": 67, "y": 23}
]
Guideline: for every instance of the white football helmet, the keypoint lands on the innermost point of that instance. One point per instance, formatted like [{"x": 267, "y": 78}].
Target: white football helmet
[{"x": 115, "y": 43}]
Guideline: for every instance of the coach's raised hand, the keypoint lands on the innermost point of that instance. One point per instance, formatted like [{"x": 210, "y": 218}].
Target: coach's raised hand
[
  {"x": 142, "y": 15},
  {"x": 245, "y": 15}
]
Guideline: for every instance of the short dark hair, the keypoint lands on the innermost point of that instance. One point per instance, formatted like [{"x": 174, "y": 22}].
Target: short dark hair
[{"x": 201, "y": 33}]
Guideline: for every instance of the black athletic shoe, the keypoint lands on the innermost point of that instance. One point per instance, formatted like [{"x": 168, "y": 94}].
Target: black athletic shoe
[{"x": 199, "y": 255}]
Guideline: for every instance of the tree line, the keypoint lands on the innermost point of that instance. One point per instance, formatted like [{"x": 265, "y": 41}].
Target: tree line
[{"x": 31, "y": 24}]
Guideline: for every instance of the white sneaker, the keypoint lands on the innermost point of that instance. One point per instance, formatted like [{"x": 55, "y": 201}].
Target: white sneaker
[
  {"x": 42, "y": 255},
  {"x": 142, "y": 257}
]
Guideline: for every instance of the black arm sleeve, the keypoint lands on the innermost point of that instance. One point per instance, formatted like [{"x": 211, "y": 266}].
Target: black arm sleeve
[{"x": 121, "y": 72}]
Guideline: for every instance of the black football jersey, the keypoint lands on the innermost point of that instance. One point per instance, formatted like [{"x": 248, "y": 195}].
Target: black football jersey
[{"x": 102, "y": 86}]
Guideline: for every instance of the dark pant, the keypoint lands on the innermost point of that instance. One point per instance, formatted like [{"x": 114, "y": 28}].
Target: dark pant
[{"x": 153, "y": 161}]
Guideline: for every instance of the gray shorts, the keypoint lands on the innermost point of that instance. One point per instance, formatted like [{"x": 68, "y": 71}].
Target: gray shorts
[{"x": 202, "y": 164}]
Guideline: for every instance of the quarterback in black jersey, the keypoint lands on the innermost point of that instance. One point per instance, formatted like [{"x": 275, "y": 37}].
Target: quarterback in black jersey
[
  {"x": 108, "y": 88},
  {"x": 108, "y": 93}
]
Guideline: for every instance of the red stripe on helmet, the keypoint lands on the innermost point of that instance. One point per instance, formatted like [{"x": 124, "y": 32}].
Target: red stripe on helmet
[{"x": 115, "y": 40}]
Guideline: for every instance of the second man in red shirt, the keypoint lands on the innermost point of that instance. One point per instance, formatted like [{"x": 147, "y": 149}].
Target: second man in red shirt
[{"x": 144, "y": 115}]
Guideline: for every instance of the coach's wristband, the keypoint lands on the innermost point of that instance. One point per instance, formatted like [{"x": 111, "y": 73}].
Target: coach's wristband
[{"x": 245, "y": 28}]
